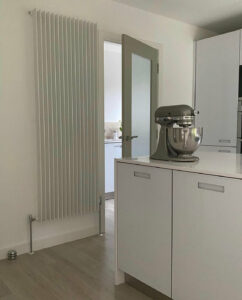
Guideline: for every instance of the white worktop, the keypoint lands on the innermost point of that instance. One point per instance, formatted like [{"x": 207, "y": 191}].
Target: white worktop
[
  {"x": 211, "y": 163},
  {"x": 112, "y": 141}
]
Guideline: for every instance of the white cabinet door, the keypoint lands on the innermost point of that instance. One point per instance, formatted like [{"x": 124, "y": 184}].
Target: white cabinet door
[
  {"x": 207, "y": 237},
  {"x": 112, "y": 151},
  {"x": 144, "y": 224},
  {"x": 217, "y": 74}
]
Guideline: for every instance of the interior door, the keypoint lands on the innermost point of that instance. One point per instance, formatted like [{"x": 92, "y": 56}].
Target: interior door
[{"x": 139, "y": 97}]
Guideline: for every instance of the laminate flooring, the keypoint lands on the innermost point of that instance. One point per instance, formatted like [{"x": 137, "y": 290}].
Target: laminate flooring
[{"x": 82, "y": 269}]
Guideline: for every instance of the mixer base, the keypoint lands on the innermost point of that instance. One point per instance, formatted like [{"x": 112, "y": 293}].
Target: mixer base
[{"x": 185, "y": 158}]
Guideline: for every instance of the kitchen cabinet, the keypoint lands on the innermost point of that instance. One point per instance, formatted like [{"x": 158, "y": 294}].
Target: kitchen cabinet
[
  {"x": 207, "y": 237},
  {"x": 112, "y": 150},
  {"x": 217, "y": 74},
  {"x": 216, "y": 149},
  {"x": 144, "y": 224}
]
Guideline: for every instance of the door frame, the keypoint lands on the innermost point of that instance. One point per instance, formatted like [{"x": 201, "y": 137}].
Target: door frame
[{"x": 133, "y": 46}]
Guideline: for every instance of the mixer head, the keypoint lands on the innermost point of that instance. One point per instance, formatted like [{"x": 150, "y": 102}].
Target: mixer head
[{"x": 182, "y": 115}]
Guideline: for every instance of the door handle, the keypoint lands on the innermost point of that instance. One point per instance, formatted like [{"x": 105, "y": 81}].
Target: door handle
[{"x": 128, "y": 138}]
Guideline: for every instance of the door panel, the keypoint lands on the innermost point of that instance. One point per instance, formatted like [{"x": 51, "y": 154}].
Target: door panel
[
  {"x": 144, "y": 224},
  {"x": 140, "y": 117},
  {"x": 139, "y": 97},
  {"x": 207, "y": 243}
]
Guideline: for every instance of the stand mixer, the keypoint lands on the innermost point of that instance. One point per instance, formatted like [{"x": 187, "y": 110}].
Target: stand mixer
[{"x": 178, "y": 139}]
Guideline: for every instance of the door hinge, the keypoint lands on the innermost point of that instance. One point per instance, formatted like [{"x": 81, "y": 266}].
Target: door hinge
[{"x": 158, "y": 68}]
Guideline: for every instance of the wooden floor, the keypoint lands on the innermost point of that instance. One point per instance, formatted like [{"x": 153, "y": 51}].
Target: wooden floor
[{"x": 78, "y": 270}]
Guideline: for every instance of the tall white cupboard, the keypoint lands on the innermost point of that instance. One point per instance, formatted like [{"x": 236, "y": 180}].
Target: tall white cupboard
[{"x": 216, "y": 89}]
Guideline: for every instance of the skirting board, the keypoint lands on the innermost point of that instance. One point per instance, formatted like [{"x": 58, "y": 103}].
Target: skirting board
[{"x": 50, "y": 241}]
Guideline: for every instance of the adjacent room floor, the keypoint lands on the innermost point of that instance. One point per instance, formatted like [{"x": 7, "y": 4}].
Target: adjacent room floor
[{"x": 81, "y": 269}]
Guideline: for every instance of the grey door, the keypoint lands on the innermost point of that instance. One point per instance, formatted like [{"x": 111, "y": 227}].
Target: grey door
[{"x": 139, "y": 97}]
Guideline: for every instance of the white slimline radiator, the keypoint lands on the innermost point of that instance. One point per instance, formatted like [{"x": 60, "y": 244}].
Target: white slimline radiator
[{"x": 66, "y": 76}]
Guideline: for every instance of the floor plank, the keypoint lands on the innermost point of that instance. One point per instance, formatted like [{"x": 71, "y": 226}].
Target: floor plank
[
  {"x": 81, "y": 269},
  {"x": 4, "y": 290}
]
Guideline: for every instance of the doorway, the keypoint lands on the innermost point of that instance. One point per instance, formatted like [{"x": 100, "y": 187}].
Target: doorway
[
  {"x": 130, "y": 100},
  {"x": 112, "y": 121}
]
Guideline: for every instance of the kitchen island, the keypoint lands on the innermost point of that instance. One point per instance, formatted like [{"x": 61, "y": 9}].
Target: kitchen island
[{"x": 178, "y": 226}]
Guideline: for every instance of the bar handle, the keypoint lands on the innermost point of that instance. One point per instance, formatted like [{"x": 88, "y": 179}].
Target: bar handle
[
  {"x": 224, "y": 151},
  {"x": 211, "y": 187},
  {"x": 224, "y": 141},
  {"x": 142, "y": 175}
]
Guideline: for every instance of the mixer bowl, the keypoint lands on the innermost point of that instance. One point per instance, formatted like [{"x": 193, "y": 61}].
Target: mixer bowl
[{"x": 185, "y": 140}]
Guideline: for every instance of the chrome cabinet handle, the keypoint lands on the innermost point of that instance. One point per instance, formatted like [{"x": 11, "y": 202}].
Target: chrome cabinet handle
[
  {"x": 211, "y": 187},
  {"x": 224, "y": 151},
  {"x": 224, "y": 141},
  {"x": 142, "y": 175}
]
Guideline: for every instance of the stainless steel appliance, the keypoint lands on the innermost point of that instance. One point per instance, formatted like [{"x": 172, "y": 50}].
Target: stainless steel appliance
[
  {"x": 239, "y": 126},
  {"x": 178, "y": 138}
]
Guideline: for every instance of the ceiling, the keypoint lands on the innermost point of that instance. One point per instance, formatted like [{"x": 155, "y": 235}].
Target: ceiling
[{"x": 215, "y": 15}]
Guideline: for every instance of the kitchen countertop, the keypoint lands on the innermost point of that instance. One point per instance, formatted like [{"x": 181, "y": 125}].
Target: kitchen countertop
[
  {"x": 211, "y": 163},
  {"x": 111, "y": 141}
]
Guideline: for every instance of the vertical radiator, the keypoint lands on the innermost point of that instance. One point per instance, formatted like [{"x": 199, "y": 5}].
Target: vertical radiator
[{"x": 66, "y": 76}]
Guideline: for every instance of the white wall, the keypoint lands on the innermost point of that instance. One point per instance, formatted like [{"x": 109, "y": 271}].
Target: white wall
[
  {"x": 18, "y": 174},
  {"x": 112, "y": 82}
]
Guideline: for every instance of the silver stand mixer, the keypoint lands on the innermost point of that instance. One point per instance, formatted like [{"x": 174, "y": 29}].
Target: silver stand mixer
[{"x": 178, "y": 138}]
